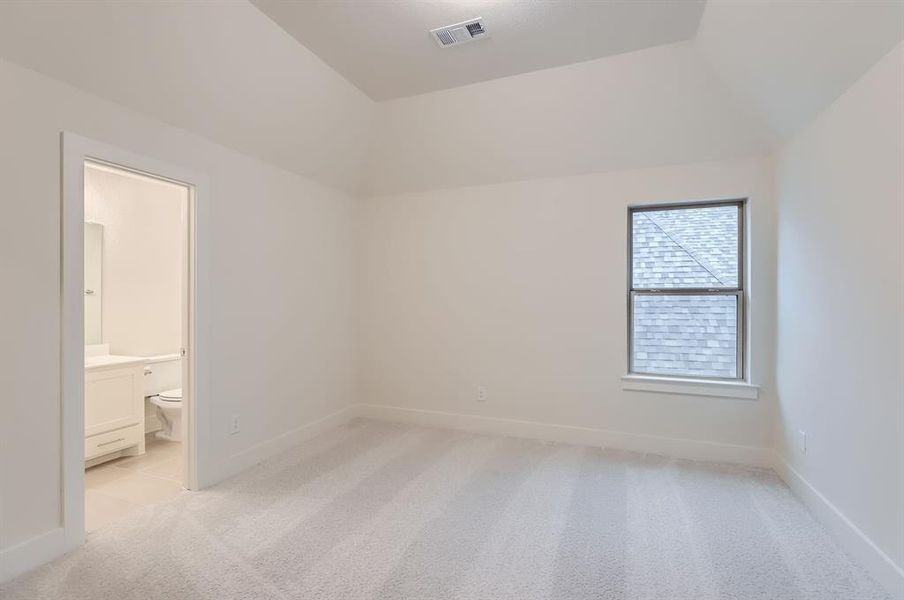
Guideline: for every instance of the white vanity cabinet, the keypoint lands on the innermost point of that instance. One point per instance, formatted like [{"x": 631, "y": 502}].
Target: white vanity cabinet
[{"x": 114, "y": 407}]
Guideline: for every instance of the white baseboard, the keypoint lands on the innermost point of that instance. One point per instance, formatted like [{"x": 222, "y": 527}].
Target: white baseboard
[
  {"x": 677, "y": 447},
  {"x": 248, "y": 458},
  {"x": 852, "y": 539},
  {"x": 31, "y": 553}
]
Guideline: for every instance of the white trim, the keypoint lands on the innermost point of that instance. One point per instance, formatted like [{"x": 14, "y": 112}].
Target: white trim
[
  {"x": 851, "y": 538},
  {"x": 690, "y": 387},
  {"x": 135, "y": 175},
  {"x": 24, "y": 556},
  {"x": 586, "y": 436},
  {"x": 72, "y": 342},
  {"x": 259, "y": 452},
  {"x": 75, "y": 150}
]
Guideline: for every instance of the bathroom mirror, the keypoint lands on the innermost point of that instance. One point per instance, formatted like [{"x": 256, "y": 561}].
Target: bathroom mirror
[{"x": 94, "y": 256}]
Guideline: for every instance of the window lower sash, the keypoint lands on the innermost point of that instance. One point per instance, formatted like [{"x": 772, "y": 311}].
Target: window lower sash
[{"x": 740, "y": 333}]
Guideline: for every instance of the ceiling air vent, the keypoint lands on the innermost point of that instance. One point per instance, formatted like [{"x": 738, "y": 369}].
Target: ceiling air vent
[{"x": 459, "y": 33}]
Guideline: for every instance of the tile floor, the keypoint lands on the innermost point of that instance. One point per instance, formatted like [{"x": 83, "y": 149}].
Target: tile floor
[{"x": 118, "y": 487}]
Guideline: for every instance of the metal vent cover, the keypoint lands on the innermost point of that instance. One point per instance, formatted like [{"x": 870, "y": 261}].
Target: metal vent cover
[{"x": 459, "y": 33}]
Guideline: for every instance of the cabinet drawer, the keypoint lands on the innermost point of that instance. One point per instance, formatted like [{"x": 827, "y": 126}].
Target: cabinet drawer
[{"x": 104, "y": 443}]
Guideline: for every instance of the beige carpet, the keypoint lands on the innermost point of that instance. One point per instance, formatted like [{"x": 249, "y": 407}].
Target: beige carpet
[{"x": 383, "y": 511}]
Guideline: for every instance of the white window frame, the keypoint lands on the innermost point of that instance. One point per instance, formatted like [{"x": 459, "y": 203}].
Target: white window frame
[{"x": 739, "y": 292}]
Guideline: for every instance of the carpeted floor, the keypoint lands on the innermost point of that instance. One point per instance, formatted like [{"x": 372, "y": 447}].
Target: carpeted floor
[{"x": 385, "y": 511}]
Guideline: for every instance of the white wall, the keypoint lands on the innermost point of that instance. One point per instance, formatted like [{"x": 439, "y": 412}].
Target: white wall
[
  {"x": 142, "y": 260},
  {"x": 654, "y": 107},
  {"x": 841, "y": 306},
  {"x": 520, "y": 287},
  {"x": 281, "y": 279}
]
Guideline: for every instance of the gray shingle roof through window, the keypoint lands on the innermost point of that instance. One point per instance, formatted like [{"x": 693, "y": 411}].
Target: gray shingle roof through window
[{"x": 680, "y": 334}]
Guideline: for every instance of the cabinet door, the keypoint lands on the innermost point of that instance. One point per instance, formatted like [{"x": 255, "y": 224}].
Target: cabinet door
[{"x": 114, "y": 398}]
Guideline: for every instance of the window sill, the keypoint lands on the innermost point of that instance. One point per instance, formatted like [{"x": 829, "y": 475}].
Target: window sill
[{"x": 690, "y": 387}]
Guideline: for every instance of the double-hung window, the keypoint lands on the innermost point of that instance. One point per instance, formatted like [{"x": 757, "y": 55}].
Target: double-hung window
[{"x": 686, "y": 290}]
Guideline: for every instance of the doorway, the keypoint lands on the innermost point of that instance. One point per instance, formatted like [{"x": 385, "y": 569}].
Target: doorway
[
  {"x": 135, "y": 265},
  {"x": 123, "y": 337}
]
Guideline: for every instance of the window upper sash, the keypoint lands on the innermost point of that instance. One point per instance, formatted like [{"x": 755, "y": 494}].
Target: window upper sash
[{"x": 706, "y": 256}]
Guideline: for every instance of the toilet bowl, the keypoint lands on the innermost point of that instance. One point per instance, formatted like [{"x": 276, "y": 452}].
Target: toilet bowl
[{"x": 169, "y": 411}]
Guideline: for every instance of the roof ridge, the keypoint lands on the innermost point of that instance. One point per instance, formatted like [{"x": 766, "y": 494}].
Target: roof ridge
[{"x": 704, "y": 264}]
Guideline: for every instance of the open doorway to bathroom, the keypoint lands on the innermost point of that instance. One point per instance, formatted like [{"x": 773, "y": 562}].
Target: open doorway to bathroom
[
  {"x": 118, "y": 422},
  {"x": 135, "y": 317}
]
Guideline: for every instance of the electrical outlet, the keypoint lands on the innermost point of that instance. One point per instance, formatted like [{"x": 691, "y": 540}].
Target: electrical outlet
[
  {"x": 236, "y": 426},
  {"x": 802, "y": 441},
  {"x": 481, "y": 393}
]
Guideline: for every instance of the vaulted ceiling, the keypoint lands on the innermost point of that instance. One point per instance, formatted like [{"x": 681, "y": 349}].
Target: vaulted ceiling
[
  {"x": 748, "y": 74},
  {"x": 385, "y": 48},
  {"x": 221, "y": 69},
  {"x": 783, "y": 59},
  {"x": 788, "y": 60},
  {"x": 649, "y": 108}
]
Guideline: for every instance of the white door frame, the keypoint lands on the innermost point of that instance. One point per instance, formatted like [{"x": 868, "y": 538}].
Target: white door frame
[{"x": 76, "y": 150}]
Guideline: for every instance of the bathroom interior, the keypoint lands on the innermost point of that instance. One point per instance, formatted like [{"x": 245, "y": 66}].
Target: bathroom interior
[{"x": 135, "y": 265}]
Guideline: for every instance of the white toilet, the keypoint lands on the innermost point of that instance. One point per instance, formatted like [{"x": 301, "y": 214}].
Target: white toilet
[{"x": 169, "y": 411}]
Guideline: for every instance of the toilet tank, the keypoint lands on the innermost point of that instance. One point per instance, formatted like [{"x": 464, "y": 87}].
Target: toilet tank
[{"x": 162, "y": 373}]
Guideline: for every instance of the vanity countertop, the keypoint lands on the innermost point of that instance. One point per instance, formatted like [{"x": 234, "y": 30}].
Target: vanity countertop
[{"x": 111, "y": 360}]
